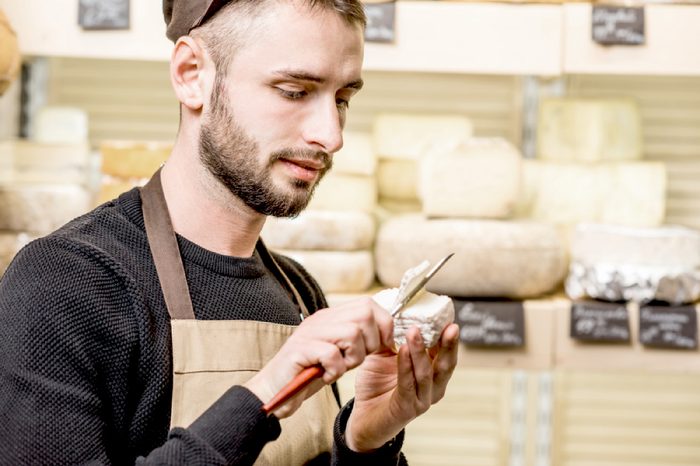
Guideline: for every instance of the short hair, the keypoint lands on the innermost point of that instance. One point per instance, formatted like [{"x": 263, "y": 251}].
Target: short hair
[{"x": 222, "y": 37}]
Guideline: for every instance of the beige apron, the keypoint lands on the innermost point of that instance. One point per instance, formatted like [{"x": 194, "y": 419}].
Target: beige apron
[{"x": 210, "y": 356}]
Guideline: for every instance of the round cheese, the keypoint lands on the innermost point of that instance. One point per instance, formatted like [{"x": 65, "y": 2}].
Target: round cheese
[{"x": 337, "y": 271}]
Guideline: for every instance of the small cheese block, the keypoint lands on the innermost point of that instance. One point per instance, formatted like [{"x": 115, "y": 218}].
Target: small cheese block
[
  {"x": 357, "y": 155},
  {"x": 673, "y": 247},
  {"x": 10, "y": 244},
  {"x": 479, "y": 179},
  {"x": 322, "y": 230},
  {"x": 626, "y": 193},
  {"x": 492, "y": 258},
  {"x": 111, "y": 187},
  {"x": 337, "y": 271},
  {"x": 429, "y": 312},
  {"x": 345, "y": 192},
  {"x": 128, "y": 159},
  {"x": 589, "y": 130},
  {"x": 397, "y": 180},
  {"x": 410, "y": 136},
  {"x": 40, "y": 208},
  {"x": 56, "y": 125},
  {"x": 28, "y": 155}
]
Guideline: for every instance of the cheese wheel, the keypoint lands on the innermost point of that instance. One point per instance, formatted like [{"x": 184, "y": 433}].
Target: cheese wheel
[
  {"x": 10, "y": 244},
  {"x": 357, "y": 155},
  {"x": 345, "y": 192},
  {"x": 127, "y": 159},
  {"x": 337, "y": 271},
  {"x": 410, "y": 136},
  {"x": 31, "y": 162},
  {"x": 429, "y": 312},
  {"x": 398, "y": 180},
  {"x": 589, "y": 130},
  {"x": 321, "y": 230},
  {"x": 626, "y": 193},
  {"x": 40, "y": 208},
  {"x": 492, "y": 258},
  {"x": 479, "y": 179}
]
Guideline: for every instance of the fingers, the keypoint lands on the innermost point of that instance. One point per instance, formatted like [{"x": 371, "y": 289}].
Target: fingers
[
  {"x": 422, "y": 369},
  {"x": 445, "y": 360}
]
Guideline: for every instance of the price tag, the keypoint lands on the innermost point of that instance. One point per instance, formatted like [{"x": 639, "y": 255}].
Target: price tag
[
  {"x": 103, "y": 14},
  {"x": 598, "y": 321},
  {"x": 668, "y": 326},
  {"x": 491, "y": 323},
  {"x": 381, "y": 21},
  {"x": 617, "y": 25}
]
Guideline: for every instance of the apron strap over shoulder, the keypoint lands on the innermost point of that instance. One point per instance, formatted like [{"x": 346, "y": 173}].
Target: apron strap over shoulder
[{"x": 166, "y": 253}]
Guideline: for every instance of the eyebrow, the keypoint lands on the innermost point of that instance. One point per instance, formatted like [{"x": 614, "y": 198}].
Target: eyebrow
[{"x": 304, "y": 76}]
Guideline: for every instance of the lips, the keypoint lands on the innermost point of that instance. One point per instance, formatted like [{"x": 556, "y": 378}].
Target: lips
[
  {"x": 307, "y": 164},
  {"x": 305, "y": 170}
]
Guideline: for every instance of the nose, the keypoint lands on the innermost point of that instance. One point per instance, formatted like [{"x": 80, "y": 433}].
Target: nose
[{"x": 324, "y": 128}]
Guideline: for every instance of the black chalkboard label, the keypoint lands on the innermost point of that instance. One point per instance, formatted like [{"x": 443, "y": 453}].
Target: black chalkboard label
[
  {"x": 668, "y": 326},
  {"x": 617, "y": 25},
  {"x": 598, "y": 321},
  {"x": 103, "y": 14},
  {"x": 490, "y": 323},
  {"x": 381, "y": 21}
]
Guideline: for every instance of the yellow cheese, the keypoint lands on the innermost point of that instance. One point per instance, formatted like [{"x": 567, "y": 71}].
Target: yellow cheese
[{"x": 133, "y": 159}]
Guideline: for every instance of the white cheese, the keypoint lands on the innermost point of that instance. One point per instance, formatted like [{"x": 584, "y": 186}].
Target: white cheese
[
  {"x": 492, "y": 258},
  {"x": 398, "y": 180},
  {"x": 589, "y": 130},
  {"x": 10, "y": 244},
  {"x": 40, "y": 208},
  {"x": 478, "y": 179},
  {"x": 60, "y": 125},
  {"x": 345, "y": 192},
  {"x": 410, "y": 136},
  {"x": 357, "y": 155},
  {"x": 626, "y": 193},
  {"x": 337, "y": 271},
  {"x": 321, "y": 230},
  {"x": 31, "y": 162},
  {"x": 429, "y": 312}
]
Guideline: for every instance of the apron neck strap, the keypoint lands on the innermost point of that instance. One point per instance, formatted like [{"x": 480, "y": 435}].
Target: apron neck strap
[{"x": 166, "y": 254}]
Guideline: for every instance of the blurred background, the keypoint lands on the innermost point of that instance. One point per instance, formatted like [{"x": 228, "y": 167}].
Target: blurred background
[{"x": 554, "y": 147}]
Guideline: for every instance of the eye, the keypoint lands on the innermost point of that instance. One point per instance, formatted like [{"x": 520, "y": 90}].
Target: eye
[{"x": 291, "y": 95}]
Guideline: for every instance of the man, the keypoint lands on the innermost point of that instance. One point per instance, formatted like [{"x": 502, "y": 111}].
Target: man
[{"x": 153, "y": 329}]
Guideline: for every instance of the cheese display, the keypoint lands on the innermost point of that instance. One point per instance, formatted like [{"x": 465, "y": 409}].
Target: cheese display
[
  {"x": 398, "y": 180},
  {"x": 410, "y": 136},
  {"x": 10, "y": 244},
  {"x": 431, "y": 313},
  {"x": 32, "y": 162},
  {"x": 40, "y": 208},
  {"x": 627, "y": 193},
  {"x": 337, "y": 271},
  {"x": 126, "y": 159},
  {"x": 357, "y": 156},
  {"x": 492, "y": 258},
  {"x": 589, "y": 130},
  {"x": 638, "y": 264},
  {"x": 345, "y": 192},
  {"x": 321, "y": 230},
  {"x": 478, "y": 179}
]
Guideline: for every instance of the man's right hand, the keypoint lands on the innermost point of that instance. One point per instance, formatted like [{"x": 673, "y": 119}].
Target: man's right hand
[{"x": 337, "y": 338}]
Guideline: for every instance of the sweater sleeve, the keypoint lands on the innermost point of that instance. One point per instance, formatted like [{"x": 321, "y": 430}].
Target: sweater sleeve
[{"x": 67, "y": 334}]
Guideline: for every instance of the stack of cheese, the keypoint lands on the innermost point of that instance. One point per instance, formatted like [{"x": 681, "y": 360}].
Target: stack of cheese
[
  {"x": 42, "y": 186},
  {"x": 127, "y": 164},
  {"x": 333, "y": 237},
  {"x": 589, "y": 167},
  {"x": 401, "y": 142},
  {"x": 468, "y": 195}
]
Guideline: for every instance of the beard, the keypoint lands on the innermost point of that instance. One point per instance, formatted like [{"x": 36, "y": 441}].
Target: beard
[{"x": 233, "y": 158}]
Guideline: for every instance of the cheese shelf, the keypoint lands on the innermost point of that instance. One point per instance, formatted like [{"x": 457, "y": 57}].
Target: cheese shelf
[{"x": 442, "y": 37}]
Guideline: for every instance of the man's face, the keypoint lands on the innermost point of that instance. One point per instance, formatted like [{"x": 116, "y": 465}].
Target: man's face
[{"x": 275, "y": 118}]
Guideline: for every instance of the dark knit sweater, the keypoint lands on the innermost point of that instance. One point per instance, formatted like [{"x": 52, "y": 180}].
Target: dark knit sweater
[{"x": 85, "y": 360}]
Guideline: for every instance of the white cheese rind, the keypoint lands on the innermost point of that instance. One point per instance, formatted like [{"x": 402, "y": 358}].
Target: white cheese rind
[
  {"x": 345, "y": 192},
  {"x": 429, "y": 312},
  {"x": 397, "y": 180},
  {"x": 626, "y": 193},
  {"x": 337, "y": 271},
  {"x": 492, "y": 258},
  {"x": 40, "y": 208},
  {"x": 479, "y": 179},
  {"x": 589, "y": 130},
  {"x": 410, "y": 136},
  {"x": 357, "y": 155},
  {"x": 31, "y": 162},
  {"x": 321, "y": 230}
]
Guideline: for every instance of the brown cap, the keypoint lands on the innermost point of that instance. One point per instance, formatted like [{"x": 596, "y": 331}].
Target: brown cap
[{"x": 181, "y": 16}]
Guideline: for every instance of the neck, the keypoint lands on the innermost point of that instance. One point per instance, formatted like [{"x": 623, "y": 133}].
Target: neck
[{"x": 204, "y": 211}]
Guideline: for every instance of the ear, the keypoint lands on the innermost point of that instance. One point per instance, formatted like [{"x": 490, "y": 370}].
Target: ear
[{"x": 188, "y": 72}]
